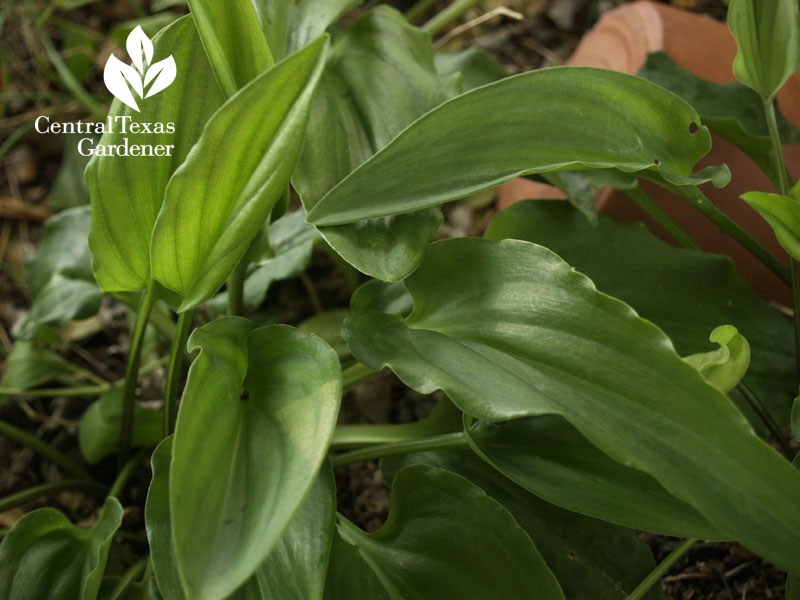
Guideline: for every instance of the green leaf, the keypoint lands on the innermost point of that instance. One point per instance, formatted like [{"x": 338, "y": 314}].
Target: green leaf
[
  {"x": 380, "y": 77},
  {"x": 28, "y": 366},
  {"x": 783, "y": 215},
  {"x": 475, "y": 66},
  {"x": 98, "y": 433},
  {"x": 60, "y": 274},
  {"x": 724, "y": 367},
  {"x": 233, "y": 40},
  {"x": 253, "y": 427},
  {"x": 295, "y": 568},
  {"x": 251, "y": 154},
  {"x": 792, "y": 588},
  {"x": 382, "y": 296},
  {"x": 444, "y": 538},
  {"x": 550, "y": 458},
  {"x": 285, "y": 254},
  {"x": 685, "y": 293},
  {"x": 512, "y": 131},
  {"x": 768, "y": 37},
  {"x": 590, "y": 559},
  {"x": 328, "y": 326},
  {"x": 125, "y": 201},
  {"x": 520, "y": 334},
  {"x": 795, "y": 419},
  {"x": 46, "y": 557},
  {"x": 730, "y": 110}
]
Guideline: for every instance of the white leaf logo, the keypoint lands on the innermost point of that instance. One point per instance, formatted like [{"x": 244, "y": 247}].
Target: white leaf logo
[{"x": 123, "y": 81}]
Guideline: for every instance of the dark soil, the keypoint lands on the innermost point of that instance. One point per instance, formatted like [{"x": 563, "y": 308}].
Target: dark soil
[{"x": 546, "y": 35}]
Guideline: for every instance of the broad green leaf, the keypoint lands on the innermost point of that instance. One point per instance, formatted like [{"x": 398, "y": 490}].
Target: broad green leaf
[
  {"x": 475, "y": 66},
  {"x": 253, "y": 427},
  {"x": 125, "y": 201},
  {"x": 295, "y": 568},
  {"x": 724, "y": 367},
  {"x": 285, "y": 254},
  {"x": 546, "y": 120},
  {"x": 46, "y": 557},
  {"x": 578, "y": 190},
  {"x": 728, "y": 109},
  {"x": 695, "y": 291},
  {"x": 60, "y": 301},
  {"x": 380, "y": 77},
  {"x": 98, "y": 433},
  {"x": 768, "y": 37},
  {"x": 350, "y": 576},
  {"x": 207, "y": 222},
  {"x": 783, "y": 215},
  {"x": 233, "y": 40},
  {"x": 28, "y": 366},
  {"x": 548, "y": 457},
  {"x": 382, "y": 296},
  {"x": 592, "y": 560},
  {"x": 69, "y": 188},
  {"x": 444, "y": 538},
  {"x": 520, "y": 333}
]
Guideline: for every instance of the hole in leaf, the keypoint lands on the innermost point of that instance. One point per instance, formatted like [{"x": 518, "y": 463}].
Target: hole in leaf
[
  {"x": 693, "y": 128},
  {"x": 657, "y": 161}
]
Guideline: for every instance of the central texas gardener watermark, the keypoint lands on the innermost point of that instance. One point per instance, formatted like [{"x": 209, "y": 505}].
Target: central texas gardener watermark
[{"x": 123, "y": 124}]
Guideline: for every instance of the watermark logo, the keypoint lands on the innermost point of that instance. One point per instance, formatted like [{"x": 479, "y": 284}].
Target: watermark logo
[{"x": 144, "y": 78}]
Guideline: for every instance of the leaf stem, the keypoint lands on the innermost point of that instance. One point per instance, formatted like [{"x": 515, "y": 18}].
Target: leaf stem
[
  {"x": 235, "y": 289},
  {"x": 92, "y": 390},
  {"x": 132, "y": 371},
  {"x": 48, "y": 489},
  {"x": 125, "y": 474},
  {"x": 128, "y": 578},
  {"x": 355, "y": 374},
  {"x": 698, "y": 200},
  {"x": 43, "y": 449},
  {"x": 783, "y": 187},
  {"x": 418, "y": 9},
  {"x": 765, "y": 417},
  {"x": 175, "y": 370},
  {"x": 638, "y": 195},
  {"x": 438, "y": 23},
  {"x": 447, "y": 441},
  {"x": 662, "y": 567}
]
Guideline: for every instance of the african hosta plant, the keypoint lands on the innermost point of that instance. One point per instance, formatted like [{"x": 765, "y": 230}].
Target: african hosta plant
[{"x": 581, "y": 398}]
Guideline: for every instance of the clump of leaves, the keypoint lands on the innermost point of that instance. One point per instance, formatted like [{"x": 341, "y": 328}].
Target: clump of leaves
[{"x": 578, "y": 405}]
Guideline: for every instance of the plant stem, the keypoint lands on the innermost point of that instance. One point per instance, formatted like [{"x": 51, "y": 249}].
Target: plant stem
[
  {"x": 784, "y": 185},
  {"x": 419, "y": 8},
  {"x": 43, "y": 449},
  {"x": 698, "y": 200},
  {"x": 311, "y": 290},
  {"x": 125, "y": 474},
  {"x": 638, "y": 195},
  {"x": 128, "y": 578},
  {"x": 132, "y": 371},
  {"x": 92, "y": 390},
  {"x": 447, "y": 441},
  {"x": 438, "y": 23},
  {"x": 355, "y": 374},
  {"x": 765, "y": 417},
  {"x": 235, "y": 289},
  {"x": 175, "y": 370},
  {"x": 352, "y": 436},
  {"x": 48, "y": 489},
  {"x": 662, "y": 567}
]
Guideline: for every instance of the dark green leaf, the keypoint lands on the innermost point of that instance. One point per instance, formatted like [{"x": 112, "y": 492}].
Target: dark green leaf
[
  {"x": 385, "y": 297},
  {"x": 328, "y": 326},
  {"x": 46, "y": 557},
  {"x": 519, "y": 333},
  {"x": 730, "y": 110},
  {"x": 380, "y": 77},
  {"x": 592, "y": 560},
  {"x": 251, "y": 155},
  {"x": 475, "y": 66},
  {"x": 310, "y": 19},
  {"x": 795, "y": 419},
  {"x": 98, "y": 434},
  {"x": 513, "y": 131},
  {"x": 28, "y": 366},
  {"x": 685, "y": 293},
  {"x": 768, "y": 37},
  {"x": 69, "y": 188},
  {"x": 253, "y": 427},
  {"x": 783, "y": 214},
  {"x": 124, "y": 202},
  {"x": 444, "y": 538}
]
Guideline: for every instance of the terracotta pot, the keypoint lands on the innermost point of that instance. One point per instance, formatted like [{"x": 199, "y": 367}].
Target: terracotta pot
[{"x": 621, "y": 41}]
